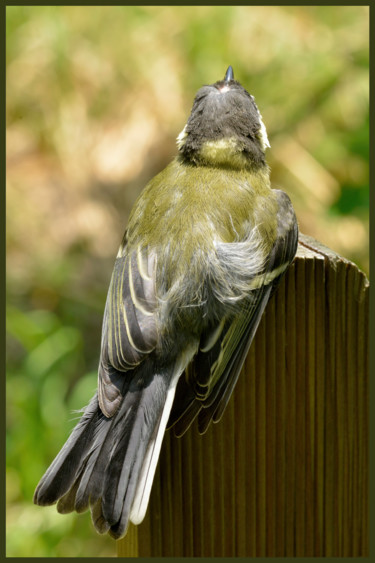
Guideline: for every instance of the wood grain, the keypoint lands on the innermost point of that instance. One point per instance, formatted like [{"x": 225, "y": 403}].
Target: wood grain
[{"x": 285, "y": 472}]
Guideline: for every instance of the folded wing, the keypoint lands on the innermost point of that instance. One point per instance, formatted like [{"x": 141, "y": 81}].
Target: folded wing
[
  {"x": 209, "y": 380},
  {"x": 129, "y": 327}
]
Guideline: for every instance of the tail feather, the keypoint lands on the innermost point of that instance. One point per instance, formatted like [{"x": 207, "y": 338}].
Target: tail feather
[
  {"x": 130, "y": 454},
  {"x": 146, "y": 477},
  {"x": 90, "y": 487},
  {"x": 62, "y": 472},
  {"x": 100, "y": 524},
  {"x": 135, "y": 505},
  {"x": 108, "y": 464},
  {"x": 118, "y": 486},
  {"x": 67, "y": 503},
  {"x": 86, "y": 488}
]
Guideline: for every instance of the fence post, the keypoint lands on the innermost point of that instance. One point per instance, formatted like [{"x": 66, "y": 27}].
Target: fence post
[{"x": 285, "y": 472}]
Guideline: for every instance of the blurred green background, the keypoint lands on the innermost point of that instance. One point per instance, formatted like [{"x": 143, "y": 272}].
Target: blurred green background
[{"x": 95, "y": 99}]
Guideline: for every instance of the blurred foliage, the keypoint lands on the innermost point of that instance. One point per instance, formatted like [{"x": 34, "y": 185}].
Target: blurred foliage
[{"x": 95, "y": 99}]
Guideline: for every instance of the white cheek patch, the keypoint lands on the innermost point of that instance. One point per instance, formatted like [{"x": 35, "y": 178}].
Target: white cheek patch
[
  {"x": 181, "y": 138},
  {"x": 262, "y": 133}
]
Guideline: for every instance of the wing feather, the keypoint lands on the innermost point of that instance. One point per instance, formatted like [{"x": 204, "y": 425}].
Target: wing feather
[
  {"x": 208, "y": 383},
  {"x": 129, "y": 326}
]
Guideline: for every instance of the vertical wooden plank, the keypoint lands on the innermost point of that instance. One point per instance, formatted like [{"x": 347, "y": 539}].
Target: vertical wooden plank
[
  {"x": 270, "y": 415},
  {"x": 310, "y": 341},
  {"x": 251, "y": 421},
  {"x": 290, "y": 422},
  {"x": 144, "y": 531},
  {"x": 191, "y": 477},
  {"x": 280, "y": 421},
  {"x": 320, "y": 378},
  {"x": 350, "y": 530},
  {"x": 242, "y": 463},
  {"x": 209, "y": 468},
  {"x": 260, "y": 409},
  {"x": 362, "y": 414},
  {"x": 330, "y": 438},
  {"x": 229, "y": 482},
  {"x": 300, "y": 420},
  {"x": 221, "y": 487},
  {"x": 156, "y": 527},
  {"x": 356, "y": 365},
  {"x": 128, "y": 546},
  {"x": 176, "y": 465},
  {"x": 365, "y": 420},
  {"x": 341, "y": 342},
  {"x": 166, "y": 501}
]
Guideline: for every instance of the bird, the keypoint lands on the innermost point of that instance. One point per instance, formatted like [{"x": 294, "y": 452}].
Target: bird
[{"x": 207, "y": 243}]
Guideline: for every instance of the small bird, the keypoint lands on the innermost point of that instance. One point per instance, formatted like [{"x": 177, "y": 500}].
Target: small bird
[{"x": 207, "y": 243}]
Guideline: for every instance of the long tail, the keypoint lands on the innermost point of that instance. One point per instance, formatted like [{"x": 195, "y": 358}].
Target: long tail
[{"x": 108, "y": 464}]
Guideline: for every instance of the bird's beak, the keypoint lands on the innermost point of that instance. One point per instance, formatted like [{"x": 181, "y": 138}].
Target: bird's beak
[{"x": 229, "y": 75}]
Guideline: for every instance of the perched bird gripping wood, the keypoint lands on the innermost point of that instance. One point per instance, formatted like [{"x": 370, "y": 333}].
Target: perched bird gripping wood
[{"x": 207, "y": 244}]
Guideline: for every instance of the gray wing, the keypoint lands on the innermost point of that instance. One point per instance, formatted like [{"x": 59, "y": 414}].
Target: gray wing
[
  {"x": 209, "y": 380},
  {"x": 129, "y": 327}
]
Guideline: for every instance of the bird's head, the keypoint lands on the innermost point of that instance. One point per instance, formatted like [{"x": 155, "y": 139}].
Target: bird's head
[{"x": 225, "y": 127}]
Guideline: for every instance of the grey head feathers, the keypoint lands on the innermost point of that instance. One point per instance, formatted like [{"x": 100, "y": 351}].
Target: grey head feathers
[{"x": 224, "y": 111}]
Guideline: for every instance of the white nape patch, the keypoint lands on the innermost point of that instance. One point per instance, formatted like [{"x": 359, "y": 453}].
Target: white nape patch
[
  {"x": 226, "y": 151},
  {"x": 224, "y": 144},
  {"x": 224, "y": 89},
  {"x": 181, "y": 138}
]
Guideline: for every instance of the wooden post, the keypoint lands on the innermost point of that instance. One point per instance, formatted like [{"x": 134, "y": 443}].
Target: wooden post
[{"x": 285, "y": 472}]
